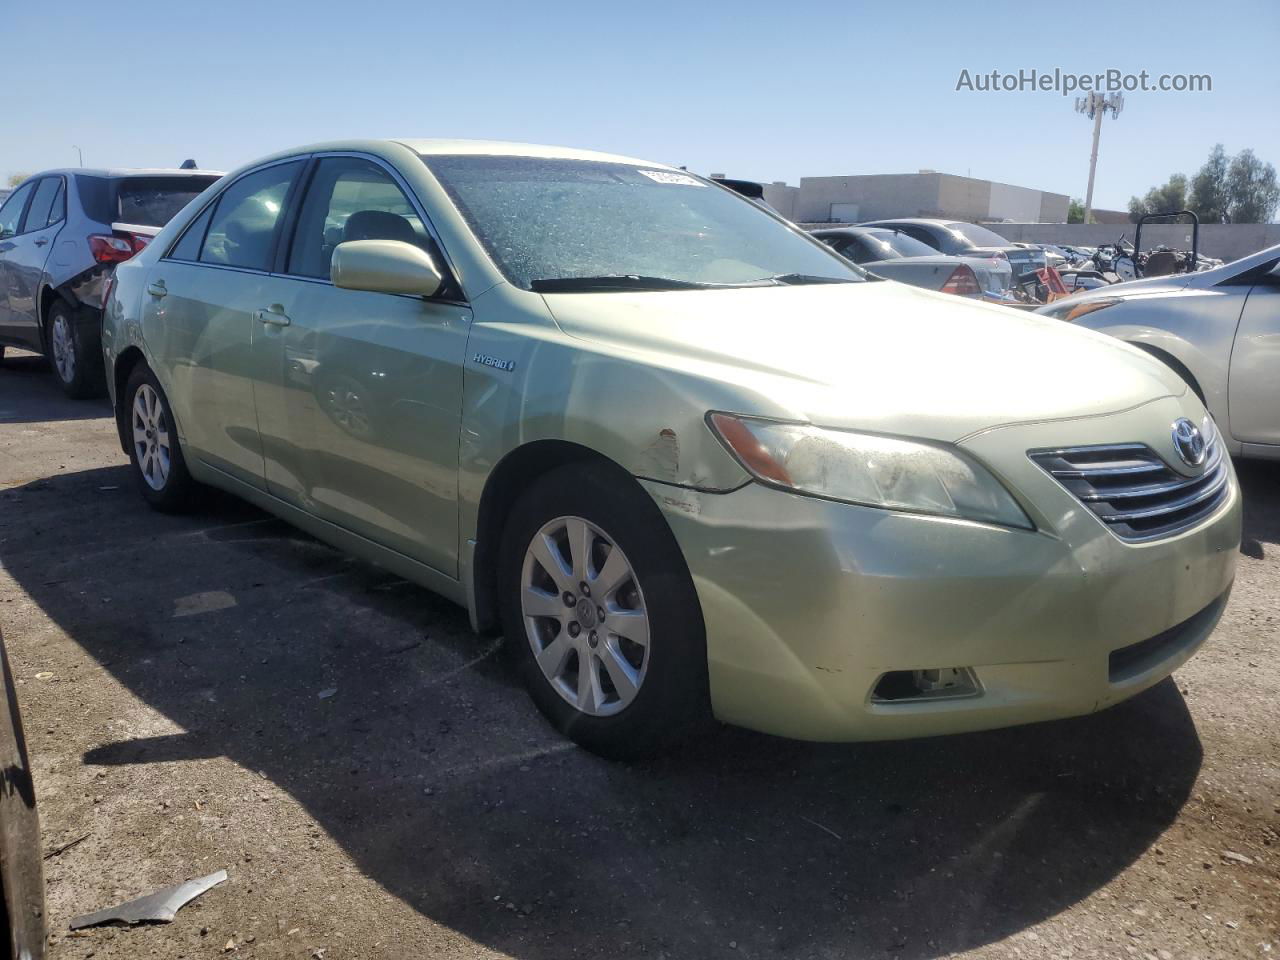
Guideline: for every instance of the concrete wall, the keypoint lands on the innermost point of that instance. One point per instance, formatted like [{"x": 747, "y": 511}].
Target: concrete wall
[
  {"x": 961, "y": 198},
  {"x": 1226, "y": 241},
  {"x": 883, "y": 196},
  {"x": 877, "y": 196},
  {"x": 1014, "y": 203},
  {"x": 1054, "y": 208},
  {"x": 782, "y": 198}
]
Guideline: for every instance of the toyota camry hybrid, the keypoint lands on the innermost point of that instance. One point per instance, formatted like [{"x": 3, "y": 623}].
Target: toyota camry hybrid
[{"x": 687, "y": 459}]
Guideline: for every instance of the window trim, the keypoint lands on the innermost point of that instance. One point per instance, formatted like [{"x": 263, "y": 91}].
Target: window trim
[
  {"x": 285, "y": 250},
  {"x": 62, "y": 192},
  {"x": 217, "y": 199},
  {"x": 287, "y": 224},
  {"x": 26, "y": 205},
  {"x": 22, "y": 222}
]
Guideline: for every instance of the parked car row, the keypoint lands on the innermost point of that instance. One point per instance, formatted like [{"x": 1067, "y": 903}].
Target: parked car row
[
  {"x": 946, "y": 255},
  {"x": 895, "y": 255},
  {"x": 687, "y": 458},
  {"x": 61, "y": 234}
]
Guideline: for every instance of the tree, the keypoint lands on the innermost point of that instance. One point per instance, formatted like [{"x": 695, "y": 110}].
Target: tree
[
  {"x": 1209, "y": 188},
  {"x": 1165, "y": 199},
  {"x": 17, "y": 178},
  {"x": 1075, "y": 211},
  {"x": 1251, "y": 188}
]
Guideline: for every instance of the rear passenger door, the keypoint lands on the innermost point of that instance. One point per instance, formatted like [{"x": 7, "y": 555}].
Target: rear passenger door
[
  {"x": 362, "y": 408},
  {"x": 200, "y": 318}
]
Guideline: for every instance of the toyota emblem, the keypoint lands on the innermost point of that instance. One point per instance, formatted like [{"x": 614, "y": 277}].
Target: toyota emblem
[{"x": 1189, "y": 442}]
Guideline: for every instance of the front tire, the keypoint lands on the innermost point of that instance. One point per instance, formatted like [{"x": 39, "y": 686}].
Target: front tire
[
  {"x": 75, "y": 362},
  {"x": 159, "y": 467},
  {"x": 600, "y": 614}
]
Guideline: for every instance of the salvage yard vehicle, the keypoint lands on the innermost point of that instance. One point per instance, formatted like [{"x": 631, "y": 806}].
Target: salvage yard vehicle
[
  {"x": 61, "y": 234},
  {"x": 895, "y": 256},
  {"x": 1217, "y": 329},
  {"x": 685, "y": 457},
  {"x": 961, "y": 239}
]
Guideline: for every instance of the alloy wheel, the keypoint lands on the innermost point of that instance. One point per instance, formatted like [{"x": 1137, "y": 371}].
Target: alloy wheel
[
  {"x": 64, "y": 351},
  {"x": 585, "y": 616},
  {"x": 151, "y": 437}
]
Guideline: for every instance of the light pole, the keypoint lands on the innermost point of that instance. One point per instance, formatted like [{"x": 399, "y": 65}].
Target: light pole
[
  {"x": 1094, "y": 106},
  {"x": 80, "y": 152}
]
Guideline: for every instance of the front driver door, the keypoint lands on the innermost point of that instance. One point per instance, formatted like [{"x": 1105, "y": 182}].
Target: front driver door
[
  {"x": 1254, "y": 384},
  {"x": 200, "y": 319},
  {"x": 10, "y": 223},
  {"x": 362, "y": 407}
]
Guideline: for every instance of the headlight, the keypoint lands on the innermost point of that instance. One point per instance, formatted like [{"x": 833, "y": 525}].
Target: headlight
[
  {"x": 868, "y": 469},
  {"x": 1071, "y": 312}
]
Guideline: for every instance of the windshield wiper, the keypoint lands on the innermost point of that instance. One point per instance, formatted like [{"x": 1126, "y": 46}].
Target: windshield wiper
[
  {"x": 797, "y": 279},
  {"x": 612, "y": 281}
]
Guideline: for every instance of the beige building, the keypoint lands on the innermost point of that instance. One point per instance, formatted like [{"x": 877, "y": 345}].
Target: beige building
[{"x": 924, "y": 194}]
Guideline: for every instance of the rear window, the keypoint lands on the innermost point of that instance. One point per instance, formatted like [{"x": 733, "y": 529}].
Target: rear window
[
  {"x": 978, "y": 236},
  {"x": 147, "y": 201}
]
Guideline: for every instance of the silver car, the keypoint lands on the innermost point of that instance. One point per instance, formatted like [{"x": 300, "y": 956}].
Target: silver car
[
  {"x": 62, "y": 232},
  {"x": 1219, "y": 330},
  {"x": 895, "y": 256}
]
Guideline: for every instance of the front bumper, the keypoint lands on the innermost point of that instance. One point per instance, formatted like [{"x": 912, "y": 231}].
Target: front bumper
[{"x": 808, "y": 603}]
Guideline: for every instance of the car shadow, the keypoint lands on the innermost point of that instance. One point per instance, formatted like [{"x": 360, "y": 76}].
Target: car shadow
[
  {"x": 427, "y": 763},
  {"x": 1260, "y": 484},
  {"x": 29, "y": 393}
]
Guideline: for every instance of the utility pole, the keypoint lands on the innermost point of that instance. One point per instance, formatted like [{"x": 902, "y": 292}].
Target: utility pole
[
  {"x": 80, "y": 152},
  {"x": 1095, "y": 106}
]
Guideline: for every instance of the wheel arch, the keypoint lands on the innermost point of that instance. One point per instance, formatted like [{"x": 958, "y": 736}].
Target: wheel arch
[
  {"x": 50, "y": 295},
  {"x": 1174, "y": 364},
  {"x": 509, "y": 477},
  {"x": 125, "y": 364}
]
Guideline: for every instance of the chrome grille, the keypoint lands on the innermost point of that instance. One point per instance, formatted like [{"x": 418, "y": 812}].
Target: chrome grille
[{"x": 1133, "y": 491}]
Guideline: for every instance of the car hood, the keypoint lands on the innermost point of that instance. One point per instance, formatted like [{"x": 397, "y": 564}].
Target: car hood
[{"x": 873, "y": 356}]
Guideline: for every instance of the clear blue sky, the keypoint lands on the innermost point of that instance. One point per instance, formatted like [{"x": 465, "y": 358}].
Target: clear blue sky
[{"x": 766, "y": 91}]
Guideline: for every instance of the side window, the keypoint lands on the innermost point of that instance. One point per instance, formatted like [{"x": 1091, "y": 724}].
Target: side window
[
  {"x": 352, "y": 199},
  {"x": 924, "y": 236},
  {"x": 243, "y": 227},
  {"x": 42, "y": 204},
  {"x": 188, "y": 248},
  {"x": 11, "y": 212},
  {"x": 58, "y": 211},
  {"x": 856, "y": 251}
]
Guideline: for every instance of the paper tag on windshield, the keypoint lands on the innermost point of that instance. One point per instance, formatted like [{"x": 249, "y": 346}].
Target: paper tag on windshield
[{"x": 666, "y": 176}]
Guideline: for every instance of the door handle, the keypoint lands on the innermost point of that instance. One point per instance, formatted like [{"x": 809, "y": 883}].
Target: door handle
[
  {"x": 157, "y": 289},
  {"x": 42, "y": 241},
  {"x": 274, "y": 315}
]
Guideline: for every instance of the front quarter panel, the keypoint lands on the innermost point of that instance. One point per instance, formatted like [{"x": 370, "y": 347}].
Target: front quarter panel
[
  {"x": 526, "y": 381},
  {"x": 1195, "y": 327}
]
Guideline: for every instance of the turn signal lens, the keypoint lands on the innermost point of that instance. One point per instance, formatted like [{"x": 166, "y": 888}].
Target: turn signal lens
[{"x": 1071, "y": 312}]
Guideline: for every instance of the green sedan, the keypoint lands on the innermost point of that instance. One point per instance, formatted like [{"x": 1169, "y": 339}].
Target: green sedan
[{"x": 686, "y": 459}]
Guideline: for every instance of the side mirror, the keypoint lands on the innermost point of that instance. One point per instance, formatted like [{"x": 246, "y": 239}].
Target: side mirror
[{"x": 384, "y": 266}]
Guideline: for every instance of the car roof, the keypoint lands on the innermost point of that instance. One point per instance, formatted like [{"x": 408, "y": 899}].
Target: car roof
[
  {"x": 121, "y": 173},
  {"x": 921, "y": 221},
  {"x": 507, "y": 148}
]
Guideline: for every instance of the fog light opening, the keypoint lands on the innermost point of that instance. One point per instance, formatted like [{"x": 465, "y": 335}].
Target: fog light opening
[{"x": 941, "y": 683}]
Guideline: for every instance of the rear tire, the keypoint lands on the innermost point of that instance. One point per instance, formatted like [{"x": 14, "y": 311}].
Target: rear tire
[
  {"x": 639, "y": 633},
  {"x": 75, "y": 362},
  {"x": 159, "y": 468}
]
